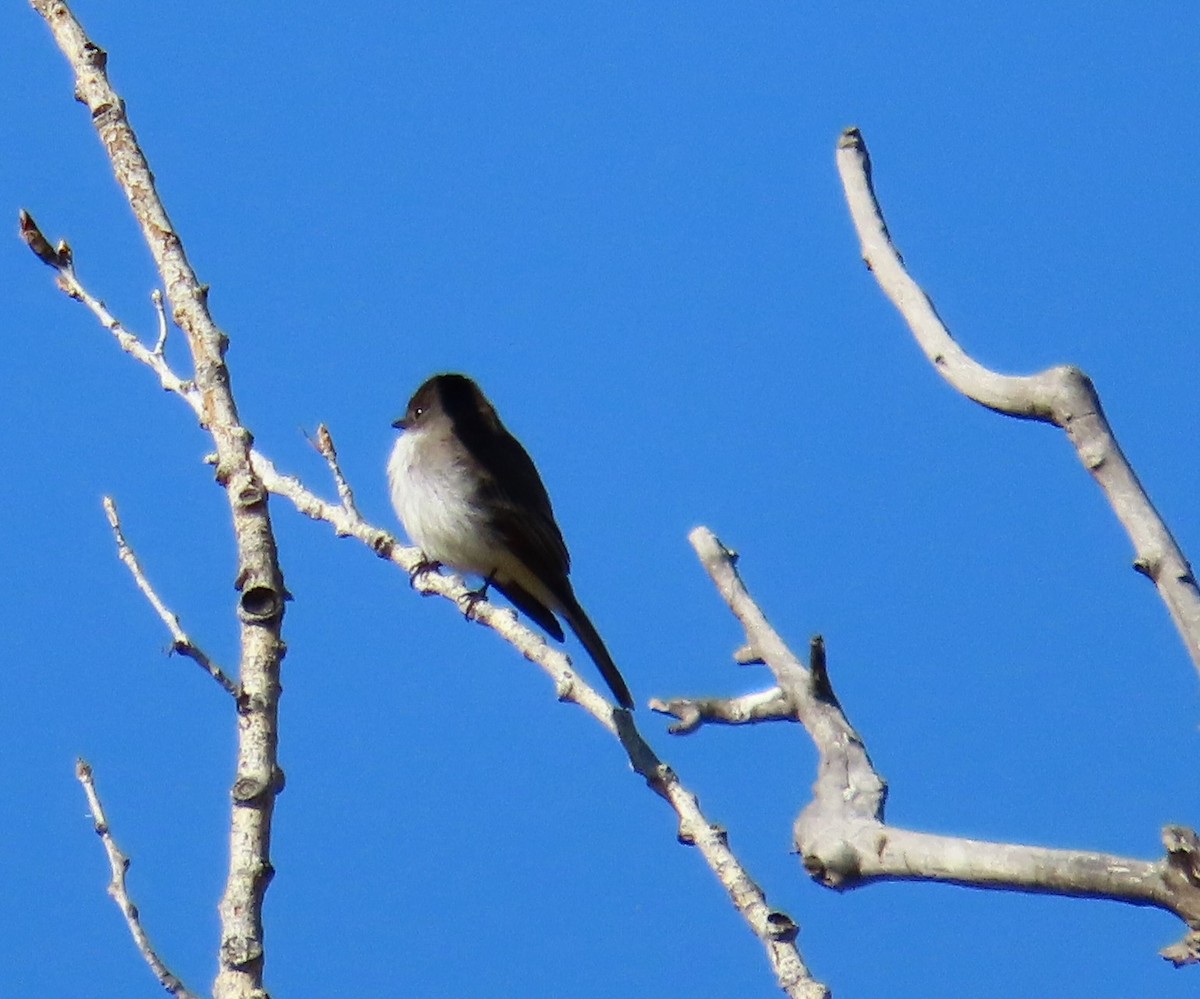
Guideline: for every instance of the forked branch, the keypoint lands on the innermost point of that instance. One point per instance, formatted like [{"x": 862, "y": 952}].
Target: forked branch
[
  {"x": 257, "y": 577},
  {"x": 844, "y": 842},
  {"x": 242, "y": 953},
  {"x": 776, "y": 930}
]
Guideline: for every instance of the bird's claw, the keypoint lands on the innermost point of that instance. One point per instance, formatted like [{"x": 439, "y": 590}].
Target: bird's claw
[
  {"x": 473, "y": 598},
  {"x": 425, "y": 565}
]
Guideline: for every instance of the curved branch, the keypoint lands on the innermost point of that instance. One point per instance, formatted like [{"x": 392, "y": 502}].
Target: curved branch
[
  {"x": 841, "y": 835},
  {"x": 1063, "y": 396}
]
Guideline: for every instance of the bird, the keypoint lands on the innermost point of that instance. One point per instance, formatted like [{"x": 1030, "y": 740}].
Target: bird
[{"x": 470, "y": 497}]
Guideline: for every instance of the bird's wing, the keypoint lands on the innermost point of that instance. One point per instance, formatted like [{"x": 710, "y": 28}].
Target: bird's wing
[
  {"x": 513, "y": 491},
  {"x": 531, "y": 607}
]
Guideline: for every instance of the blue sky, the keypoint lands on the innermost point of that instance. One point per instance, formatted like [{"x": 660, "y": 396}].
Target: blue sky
[{"x": 626, "y": 224}]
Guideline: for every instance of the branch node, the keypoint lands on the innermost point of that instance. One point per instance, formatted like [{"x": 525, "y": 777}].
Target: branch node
[
  {"x": 781, "y": 927},
  {"x": 382, "y": 544},
  {"x": 249, "y": 789},
  {"x": 40, "y": 245},
  {"x": 748, "y": 655},
  {"x": 250, "y": 495},
  {"x": 1183, "y": 852},
  {"x": 260, "y": 603},
  {"x": 1186, "y": 951},
  {"x": 819, "y": 671},
  {"x": 833, "y": 865}
]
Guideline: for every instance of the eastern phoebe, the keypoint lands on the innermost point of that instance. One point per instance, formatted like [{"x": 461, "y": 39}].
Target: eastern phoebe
[{"x": 469, "y": 496}]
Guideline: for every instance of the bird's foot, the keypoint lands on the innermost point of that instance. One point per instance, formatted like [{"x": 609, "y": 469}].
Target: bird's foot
[
  {"x": 473, "y": 598},
  {"x": 426, "y": 564}
]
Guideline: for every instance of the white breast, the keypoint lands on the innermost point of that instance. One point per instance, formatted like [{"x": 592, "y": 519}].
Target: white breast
[{"x": 433, "y": 495}]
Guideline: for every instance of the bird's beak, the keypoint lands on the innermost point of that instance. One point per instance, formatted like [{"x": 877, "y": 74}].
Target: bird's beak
[{"x": 398, "y": 424}]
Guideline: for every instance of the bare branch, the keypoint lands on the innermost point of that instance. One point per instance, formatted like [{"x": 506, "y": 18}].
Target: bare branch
[
  {"x": 844, "y": 843},
  {"x": 258, "y": 577},
  {"x": 180, "y": 641},
  {"x": 345, "y": 521},
  {"x": 69, "y": 283},
  {"x": 775, "y": 929},
  {"x": 119, "y": 863},
  {"x": 1063, "y": 396},
  {"x": 848, "y": 784},
  {"x": 160, "y": 345},
  {"x": 325, "y": 447},
  {"x": 761, "y": 706}
]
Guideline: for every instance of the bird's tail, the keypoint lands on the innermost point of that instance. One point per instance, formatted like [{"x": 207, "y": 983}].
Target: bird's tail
[{"x": 586, "y": 632}]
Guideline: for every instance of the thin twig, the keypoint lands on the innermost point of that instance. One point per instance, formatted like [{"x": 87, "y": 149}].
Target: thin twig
[
  {"x": 325, "y": 447},
  {"x": 776, "y": 930},
  {"x": 180, "y": 641},
  {"x": 117, "y": 890},
  {"x": 63, "y": 261},
  {"x": 160, "y": 345}
]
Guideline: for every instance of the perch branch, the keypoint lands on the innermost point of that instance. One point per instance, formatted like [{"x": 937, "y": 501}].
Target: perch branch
[
  {"x": 1063, "y": 396},
  {"x": 774, "y": 929},
  {"x": 181, "y": 643},
  {"x": 843, "y": 841},
  {"x": 258, "y": 577},
  {"x": 247, "y": 477},
  {"x": 117, "y": 890}
]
